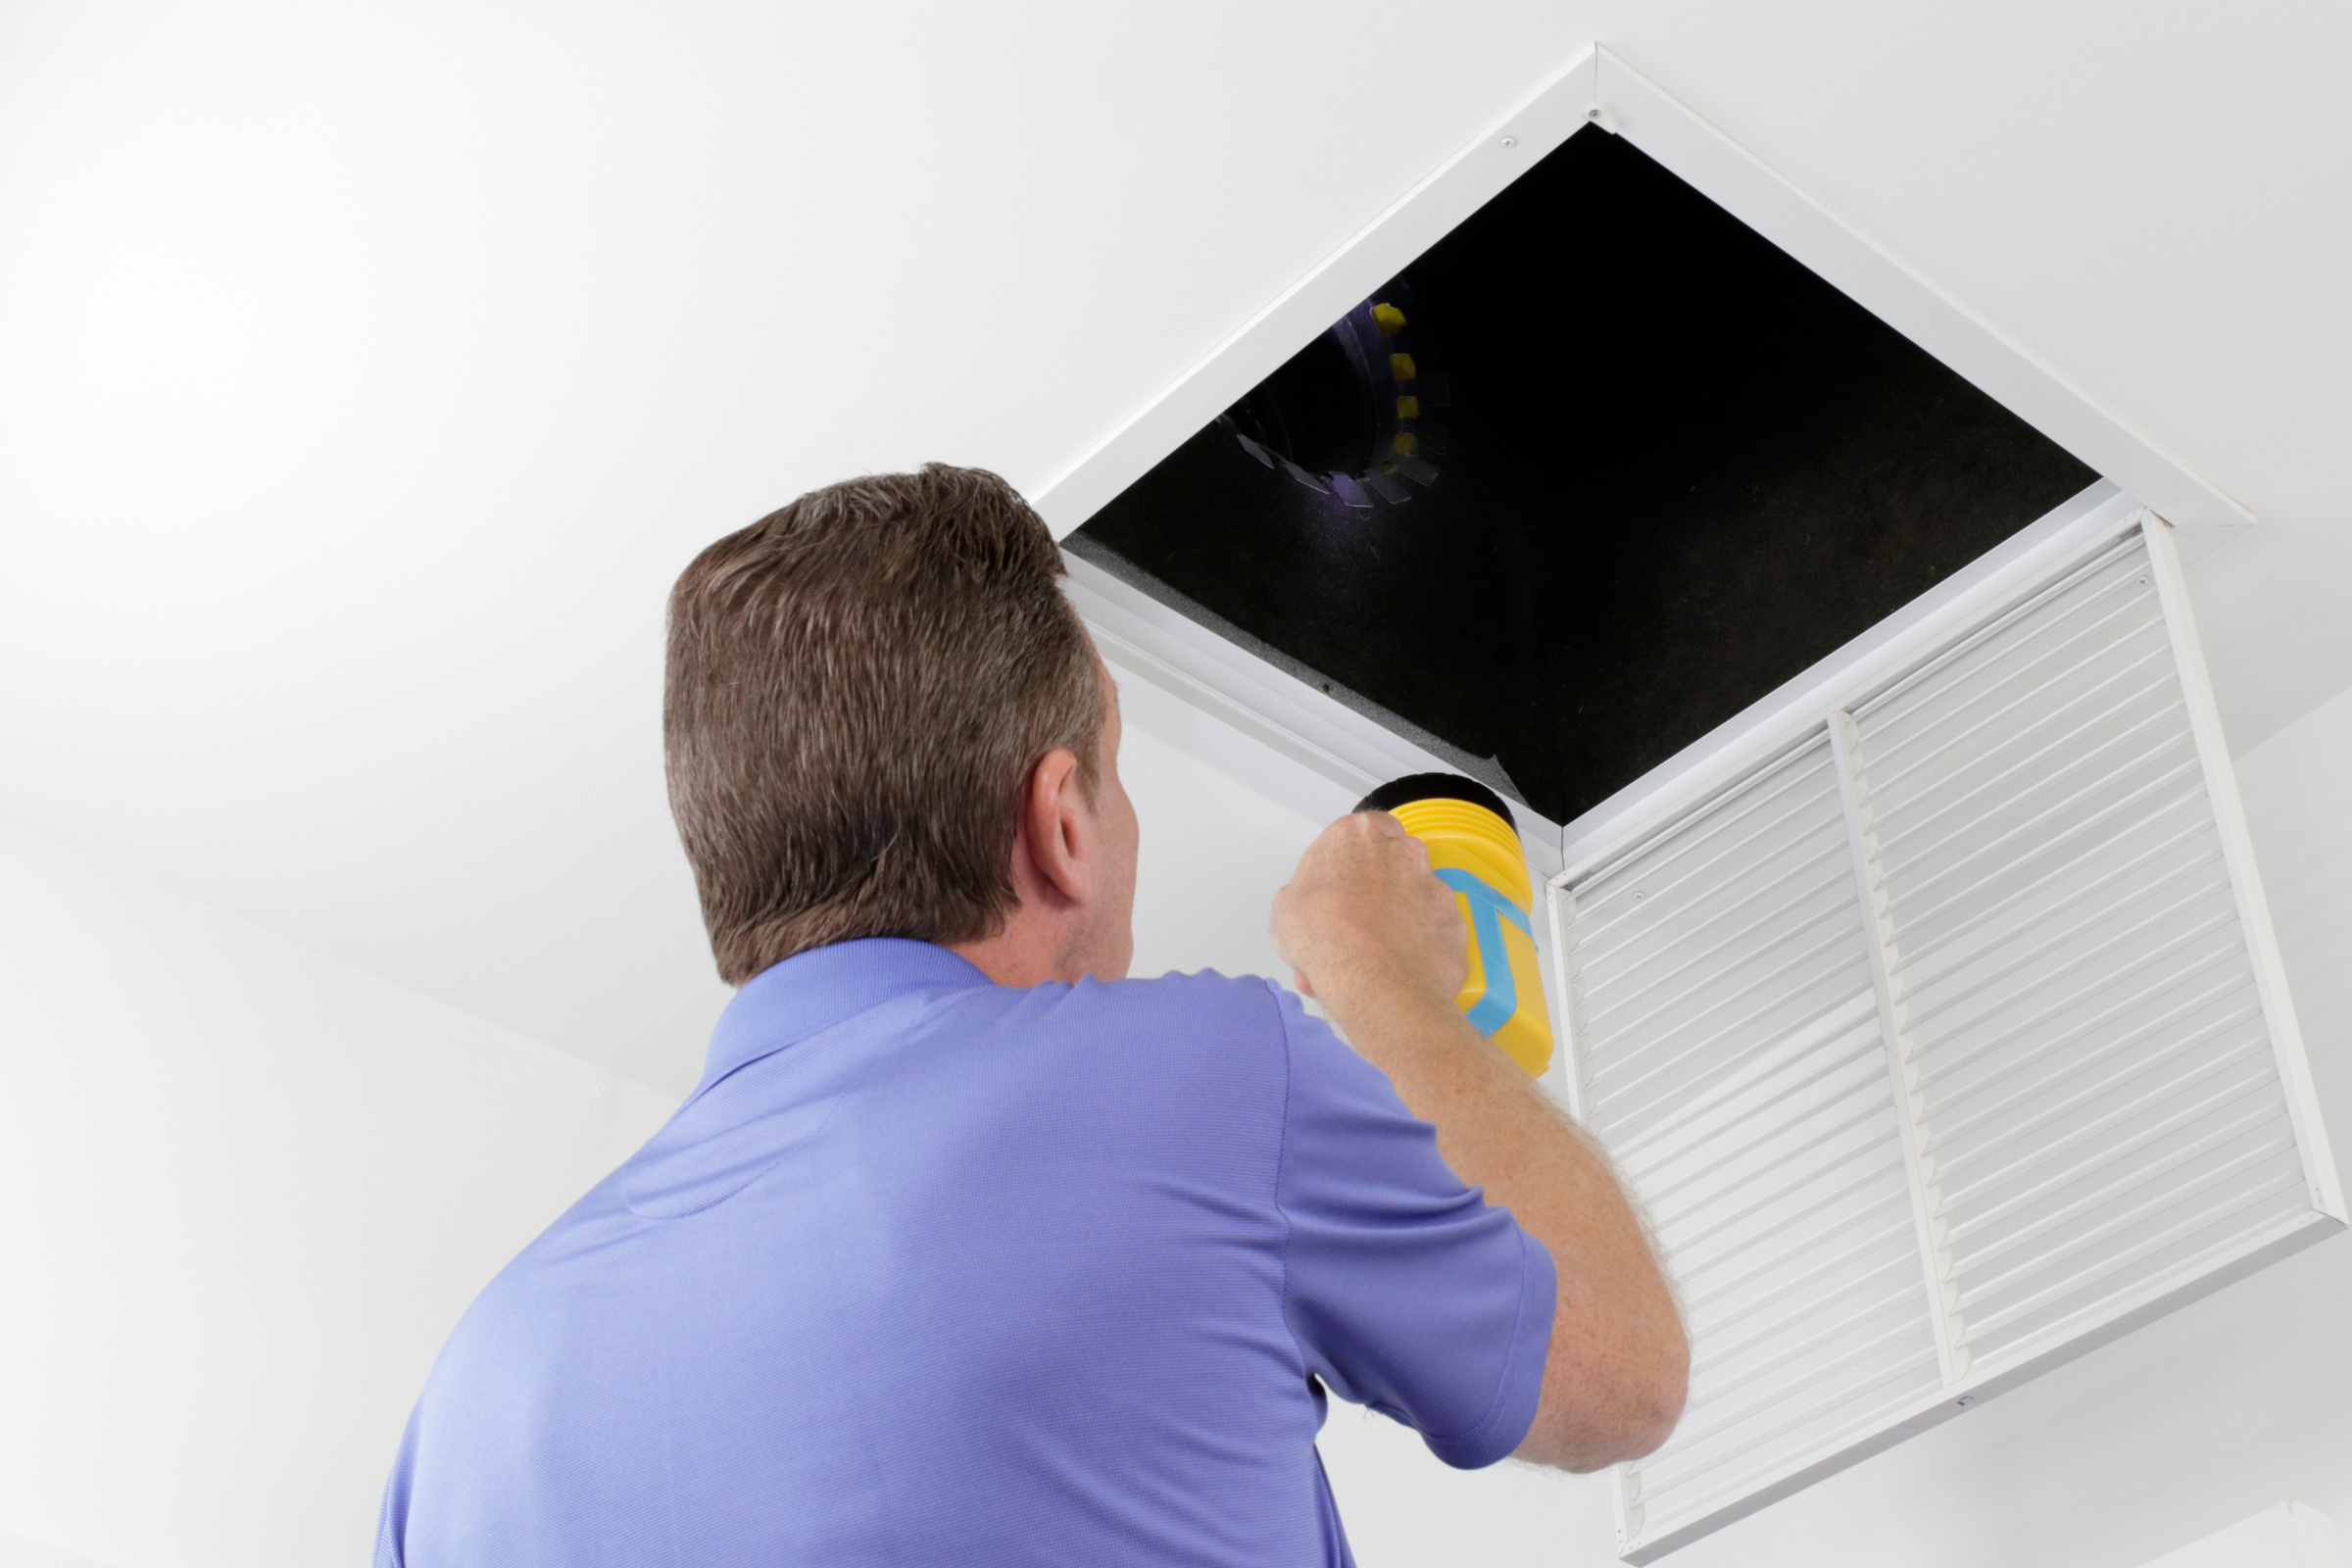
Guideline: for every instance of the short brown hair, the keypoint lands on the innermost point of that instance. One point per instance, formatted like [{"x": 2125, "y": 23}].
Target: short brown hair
[{"x": 858, "y": 686}]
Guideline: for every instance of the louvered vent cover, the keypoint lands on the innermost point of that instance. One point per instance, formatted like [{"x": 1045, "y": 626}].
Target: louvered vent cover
[{"x": 1944, "y": 1046}]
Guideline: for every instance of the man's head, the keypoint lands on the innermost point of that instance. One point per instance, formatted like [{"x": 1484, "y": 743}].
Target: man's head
[{"x": 883, "y": 718}]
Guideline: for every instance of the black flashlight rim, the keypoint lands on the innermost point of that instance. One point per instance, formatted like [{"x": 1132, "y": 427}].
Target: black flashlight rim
[{"x": 1438, "y": 787}]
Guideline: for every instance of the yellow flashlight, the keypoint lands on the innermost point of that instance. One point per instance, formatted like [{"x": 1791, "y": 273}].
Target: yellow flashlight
[{"x": 1474, "y": 849}]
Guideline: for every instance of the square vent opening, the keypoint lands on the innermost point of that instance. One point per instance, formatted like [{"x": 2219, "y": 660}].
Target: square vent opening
[{"x": 1597, "y": 470}]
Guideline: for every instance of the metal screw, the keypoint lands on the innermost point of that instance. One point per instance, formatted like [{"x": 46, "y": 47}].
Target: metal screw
[
  {"x": 1511, "y": 141},
  {"x": 1964, "y": 1401},
  {"x": 2144, "y": 582}
]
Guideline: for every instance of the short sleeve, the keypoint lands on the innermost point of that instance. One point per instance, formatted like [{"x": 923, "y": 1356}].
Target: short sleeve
[{"x": 1406, "y": 1290}]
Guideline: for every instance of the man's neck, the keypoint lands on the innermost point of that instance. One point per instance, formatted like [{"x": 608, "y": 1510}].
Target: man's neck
[{"x": 1033, "y": 946}]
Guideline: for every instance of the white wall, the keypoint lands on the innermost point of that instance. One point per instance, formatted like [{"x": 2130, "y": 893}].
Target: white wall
[
  {"x": 2293, "y": 1534},
  {"x": 1214, "y": 849},
  {"x": 244, "y": 1193}
]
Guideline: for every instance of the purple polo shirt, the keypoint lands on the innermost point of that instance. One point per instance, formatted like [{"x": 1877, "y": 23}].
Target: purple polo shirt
[{"x": 934, "y": 1271}]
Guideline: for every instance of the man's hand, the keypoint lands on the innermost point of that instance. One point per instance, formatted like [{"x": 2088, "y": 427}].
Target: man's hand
[
  {"x": 1378, "y": 940},
  {"x": 1362, "y": 911}
]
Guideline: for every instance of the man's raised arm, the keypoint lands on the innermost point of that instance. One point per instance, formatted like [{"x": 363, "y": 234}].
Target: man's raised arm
[{"x": 1376, "y": 939}]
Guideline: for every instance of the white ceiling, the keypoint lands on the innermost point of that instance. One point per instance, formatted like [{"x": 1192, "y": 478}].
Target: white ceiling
[{"x": 366, "y": 372}]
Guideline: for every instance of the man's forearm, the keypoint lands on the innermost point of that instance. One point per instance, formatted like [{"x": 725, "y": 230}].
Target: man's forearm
[
  {"x": 1614, "y": 1381},
  {"x": 1377, "y": 938}
]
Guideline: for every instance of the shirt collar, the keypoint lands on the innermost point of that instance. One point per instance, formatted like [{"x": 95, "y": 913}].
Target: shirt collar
[{"x": 811, "y": 992}]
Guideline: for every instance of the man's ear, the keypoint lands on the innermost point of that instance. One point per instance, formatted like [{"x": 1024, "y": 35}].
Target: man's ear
[{"x": 1054, "y": 837}]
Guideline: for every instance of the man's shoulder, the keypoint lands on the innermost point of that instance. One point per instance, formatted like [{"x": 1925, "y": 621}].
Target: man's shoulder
[
  {"x": 1221, "y": 1021},
  {"x": 1204, "y": 993},
  {"x": 1205, "y": 1025},
  {"x": 1203, "y": 1008}
]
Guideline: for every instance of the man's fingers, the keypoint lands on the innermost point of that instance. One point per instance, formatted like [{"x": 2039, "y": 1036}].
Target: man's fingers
[{"x": 1363, "y": 896}]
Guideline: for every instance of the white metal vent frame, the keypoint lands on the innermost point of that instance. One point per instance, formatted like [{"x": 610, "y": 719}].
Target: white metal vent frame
[
  {"x": 1598, "y": 89},
  {"x": 1798, "y": 717}
]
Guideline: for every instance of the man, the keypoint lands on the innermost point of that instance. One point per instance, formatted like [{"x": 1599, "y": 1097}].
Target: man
[{"x": 966, "y": 1249}]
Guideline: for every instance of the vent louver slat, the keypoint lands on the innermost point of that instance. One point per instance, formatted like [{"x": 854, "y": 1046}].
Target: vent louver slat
[
  {"x": 2102, "y": 1180},
  {"x": 1945, "y": 1043}
]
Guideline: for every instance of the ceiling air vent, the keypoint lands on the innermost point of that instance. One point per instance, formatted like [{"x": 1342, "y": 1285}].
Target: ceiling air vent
[{"x": 1909, "y": 949}]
